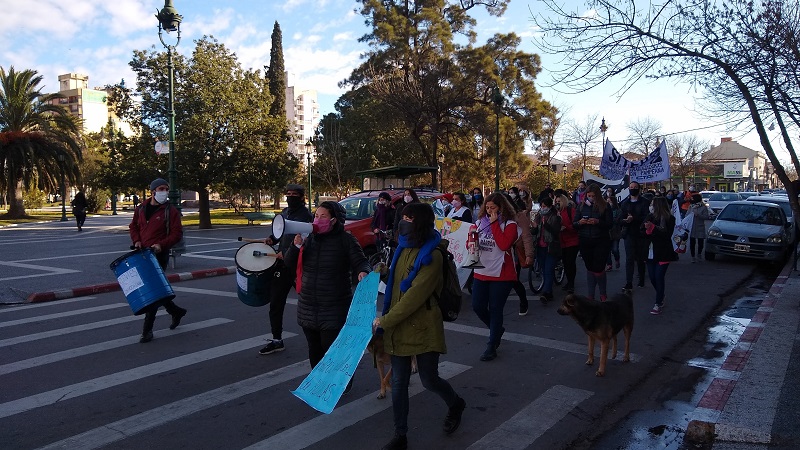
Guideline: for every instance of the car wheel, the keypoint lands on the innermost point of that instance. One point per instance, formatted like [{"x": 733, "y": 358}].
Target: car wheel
[{"x": 711, "y": 256}]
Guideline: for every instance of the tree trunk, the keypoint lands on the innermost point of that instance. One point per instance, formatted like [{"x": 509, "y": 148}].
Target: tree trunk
[
  {"x": 16, "y": 206},
  {"x": 204, "y": 212}
]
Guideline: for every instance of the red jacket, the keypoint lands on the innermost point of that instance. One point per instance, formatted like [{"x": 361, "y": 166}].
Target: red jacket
[
  {"x": 154, "y": 231},
  {"x": 568, "y": 236}
]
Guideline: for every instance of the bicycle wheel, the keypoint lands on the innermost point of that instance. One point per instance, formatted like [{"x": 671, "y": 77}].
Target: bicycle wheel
[
  {"x": 535, "y": 278},
  {"x": 375, "y": 259},
  {"x": 559, "y": 272}
]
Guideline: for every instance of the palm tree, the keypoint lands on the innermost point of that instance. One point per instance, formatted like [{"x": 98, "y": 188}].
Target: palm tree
[{"x": 38, "y": 138}]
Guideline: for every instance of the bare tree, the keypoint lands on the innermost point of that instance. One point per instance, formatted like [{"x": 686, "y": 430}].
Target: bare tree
[
  {"x": 744, "y": 53},
  {"x": 643, "y": 134},
  {"x": 581, "y": 136},
  {"x": 684, "y": 152}
]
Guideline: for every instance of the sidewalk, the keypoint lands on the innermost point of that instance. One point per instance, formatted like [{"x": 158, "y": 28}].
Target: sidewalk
[{"x": 752, "y": 400}]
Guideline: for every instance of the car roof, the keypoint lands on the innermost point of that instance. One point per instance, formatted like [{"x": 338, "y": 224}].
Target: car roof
[
  {"x": 393, "y": 192},
  {"x": 754, "y": 203}
]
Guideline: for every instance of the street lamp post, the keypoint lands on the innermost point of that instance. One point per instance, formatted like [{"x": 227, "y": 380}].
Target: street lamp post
[
  {"x": 603, "y": 129},
  {"x": 170, "y": 20},
  {"x": 309, "y": 146},
  {"x": 497, "y": 97},
  {"x": 63, "y": 188},
  {"x": 113, "y": 157}
]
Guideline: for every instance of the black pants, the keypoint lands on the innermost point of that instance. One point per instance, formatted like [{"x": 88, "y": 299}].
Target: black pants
[
  {"x": 279, "y": 289},
  {"x": 569, "y": 257},
  {"x": 80, "y": 218},
  {"x": 635, "y": 254},
  {"x": 699, "y": 243},
  {"x": 319, "y": 341},
  {"x": 150, "y": 312}
]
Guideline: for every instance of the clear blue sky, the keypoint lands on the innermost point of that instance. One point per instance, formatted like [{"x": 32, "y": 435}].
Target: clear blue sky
[{"x": 320, "y": 46}]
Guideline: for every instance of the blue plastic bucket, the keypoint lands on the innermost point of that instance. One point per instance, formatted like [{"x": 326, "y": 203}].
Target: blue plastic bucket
[
  {"x": 141, "y": 279},
  {"x": 255, "y": 269}
]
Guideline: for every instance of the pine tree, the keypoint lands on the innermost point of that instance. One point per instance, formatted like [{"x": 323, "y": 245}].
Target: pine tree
[{"x": 275, "y": 74}]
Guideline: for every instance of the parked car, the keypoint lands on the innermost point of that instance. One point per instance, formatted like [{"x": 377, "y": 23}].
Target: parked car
[
  {"x": 747, "y": 194},
  {"x": 360, "y": 207},
  {"x": 783, "y": 202},
  {"x": 749, "y": 229},
  {"x": 718, "y": 200},
  {"x": 706, "y": 195}
]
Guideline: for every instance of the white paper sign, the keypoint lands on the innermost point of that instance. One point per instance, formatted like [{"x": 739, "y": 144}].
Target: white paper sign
[
  {"x": 241, "y": 280},
  {"x": 130, "y": 281}
]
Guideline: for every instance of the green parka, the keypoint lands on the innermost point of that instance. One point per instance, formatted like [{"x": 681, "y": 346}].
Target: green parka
[{"x": 413, "y": 324}]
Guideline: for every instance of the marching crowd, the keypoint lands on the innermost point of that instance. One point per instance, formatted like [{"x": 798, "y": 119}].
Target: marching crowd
[{"x": 513, "y": 233}]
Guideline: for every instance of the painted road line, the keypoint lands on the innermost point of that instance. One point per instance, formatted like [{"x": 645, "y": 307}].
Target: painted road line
[
  {"x": 538, "y": 341},
  {"x": 125, "y": 428},
  {"x": 188, "y": 290},
  {"x": 62, "y": 331},
  {"x": 74, "y": 312},
  {"x": 521, "y": 431},
  {"x": 323, "y": 426},
  {"x": 100, "y": 347},
  {"x": 48, "y": 270},
  {"x": 25, "y": 404},
  {"x": 15, "y": 308}
]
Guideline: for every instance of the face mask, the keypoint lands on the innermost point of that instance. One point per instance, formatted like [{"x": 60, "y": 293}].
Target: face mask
[
  {"x": 523, "y": 194},
  {"x": 670, "y": 197},
  {"x": 321, "y": 225},
  {"x": 581, "y": 189},
  {"x": 513, "y": 195},
  {"x": 634, "y": 192},
  {"x": 456, "y": 204},
  {"x": 477, "y": 197},
  {"x": 294, "y": 202},
  {"x": 405, "y": 227},
  {"x": 652, "y": 209},
  {"x": 545, "y": 210},
  {"x": 407, "y": 199},
  {"x": 381, "y": 202},
  {"x": 161, "y": 197}
]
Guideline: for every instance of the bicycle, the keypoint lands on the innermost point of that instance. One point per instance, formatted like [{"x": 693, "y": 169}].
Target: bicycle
[
  {"x": 536, "y": 280},
  {"x": 384, "y": 251}
]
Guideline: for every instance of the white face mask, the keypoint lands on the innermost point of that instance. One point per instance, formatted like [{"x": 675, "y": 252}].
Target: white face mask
[
  {"x": 407, "y": 199},
  {"x": 161, "y": 196},
  {"x": 652, "y": 209}
]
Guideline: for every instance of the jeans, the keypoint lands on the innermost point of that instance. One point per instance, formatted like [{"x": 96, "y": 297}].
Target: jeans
[
  {"x": 488, "y": 300},
  {"x": 658, "y": 274},
  {"x": 635, "y": 253},
  {"x": 428, "y": 367},
  {"x": 547, "y": 263},
  {"x": 614, "y": 252}
]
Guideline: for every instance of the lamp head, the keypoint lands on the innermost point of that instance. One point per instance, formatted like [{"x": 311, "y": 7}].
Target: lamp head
[
  {"x": 168, "y": 17},
  {"x": 603, "y": 126}
]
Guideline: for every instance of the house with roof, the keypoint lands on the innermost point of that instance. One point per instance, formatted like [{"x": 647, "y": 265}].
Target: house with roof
[{"x": 731, "y": 166}]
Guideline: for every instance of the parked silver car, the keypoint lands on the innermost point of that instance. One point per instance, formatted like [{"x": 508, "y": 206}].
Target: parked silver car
[
  {"x": 749, "y": 229},
  {"x": 719, "y": 200},
  {"x": 783, "y": 202}
]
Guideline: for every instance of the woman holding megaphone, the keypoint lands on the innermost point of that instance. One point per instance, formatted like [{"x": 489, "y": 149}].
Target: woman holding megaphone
[{"x": 324, "y": 262}]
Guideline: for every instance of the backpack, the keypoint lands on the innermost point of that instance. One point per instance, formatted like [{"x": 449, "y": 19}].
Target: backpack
[{"x": 450, "y": 298}]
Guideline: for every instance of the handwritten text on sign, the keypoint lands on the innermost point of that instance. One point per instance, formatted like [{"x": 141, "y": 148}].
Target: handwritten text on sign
[{"x": 324, "y": 386}]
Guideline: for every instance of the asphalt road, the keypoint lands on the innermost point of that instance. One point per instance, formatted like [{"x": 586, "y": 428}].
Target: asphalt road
[{"x": 75, "y": 376}]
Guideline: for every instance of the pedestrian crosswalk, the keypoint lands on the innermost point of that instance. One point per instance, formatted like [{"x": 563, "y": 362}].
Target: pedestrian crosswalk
[{"x": 46, "y": 340}]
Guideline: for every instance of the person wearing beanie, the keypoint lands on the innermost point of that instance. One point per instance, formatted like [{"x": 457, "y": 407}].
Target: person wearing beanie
[
  {"x": 157, "y": 225},
  {"x": 280, "y": 286},
  {"x": 324, "y": 263},
  {"x": 447, "y": 203},
  {"x": 382, "y": 218}
]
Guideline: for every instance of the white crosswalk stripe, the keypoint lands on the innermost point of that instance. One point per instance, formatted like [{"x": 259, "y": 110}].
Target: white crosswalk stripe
[
  {"x": 74, "y": 312},
  {"x": 68, "y": 330}
]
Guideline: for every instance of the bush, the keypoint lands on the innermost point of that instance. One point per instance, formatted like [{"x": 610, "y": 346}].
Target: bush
[
  {"x": 33, "y": 199},
  {"x": 95, "y": 200}
]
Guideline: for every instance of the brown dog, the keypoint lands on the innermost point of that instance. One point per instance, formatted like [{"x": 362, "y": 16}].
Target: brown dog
[
  {"x": 381, "y": 359},
  {"x": 602, "y": 322}
]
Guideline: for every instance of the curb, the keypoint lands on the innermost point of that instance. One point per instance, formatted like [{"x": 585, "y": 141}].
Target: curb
[
  {"x": 40, "y": 297},
  {"x": 704, "y": 424}
]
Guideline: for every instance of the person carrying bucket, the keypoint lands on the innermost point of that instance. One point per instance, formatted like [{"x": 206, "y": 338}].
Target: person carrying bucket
[
  {"x": 157, "y": 225},
  {"x": 284, "y": 278}
]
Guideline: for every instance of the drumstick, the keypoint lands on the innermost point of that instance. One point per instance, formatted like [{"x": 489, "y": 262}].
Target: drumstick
[{"x": 259, "y": 241}]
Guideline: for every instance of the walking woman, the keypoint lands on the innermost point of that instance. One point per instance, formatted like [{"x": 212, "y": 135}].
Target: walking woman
[
  {"x": 525, "y": 240},
  {"x": 547, "y": 226},
  {"x": 615, "y": 233},
  {"x": 593, "y": 223},
  {"x": 569, "y": 240},
  {"x": 79, "y": 207},
  {"x": 413, "y": 325},
  {"x": 658, "y": 228},
  {"x": 326, "y": 259},
  {"x": 497, "y": 232},
  {"x": 698, "y": 234}
]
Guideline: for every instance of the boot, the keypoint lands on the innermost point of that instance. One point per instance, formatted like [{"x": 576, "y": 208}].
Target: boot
[{"x": 147, "y": 329}]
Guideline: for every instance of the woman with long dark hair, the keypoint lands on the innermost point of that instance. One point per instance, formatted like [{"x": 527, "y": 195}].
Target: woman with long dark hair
[
  {"x": 412, "y": 321},
  {"x": 658, "y": 228},
  {"x": 547, "y": 226},
  {"x": 593, "y": 223}
]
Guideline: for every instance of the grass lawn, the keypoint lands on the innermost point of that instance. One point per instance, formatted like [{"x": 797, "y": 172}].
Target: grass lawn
[{"x": 218, "y": 216}]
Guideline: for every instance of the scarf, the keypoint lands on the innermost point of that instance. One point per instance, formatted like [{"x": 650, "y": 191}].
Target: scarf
[
  {"x": 485, "y": 226},
  {"x": 381, "y": 217},
  {"x": 423, "y": 259}
]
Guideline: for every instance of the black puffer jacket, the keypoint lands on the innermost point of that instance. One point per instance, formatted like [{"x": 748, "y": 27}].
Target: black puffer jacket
[{"x": 328, "y": 261}]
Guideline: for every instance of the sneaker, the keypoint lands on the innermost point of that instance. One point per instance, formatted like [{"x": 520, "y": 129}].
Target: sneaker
[
  {"x": 656, "y": 310},
  {"x": 608, "y": 267},
  {"x": 603, "y": 298},
  {"x": 641, "y": 283},
  {"x": 489, "y": 354},
  {"x": 398, "y": 442},
  {"x": 176, "y": 319},
  {"x": 627, "y": 287},
  {"x": 146, "y": 337},
  {"x": 523, "y": 310},
  {"x": 694, "y": 260},
  {"x": 275, "y": 345},
  {"x": 453, "y": 419}
]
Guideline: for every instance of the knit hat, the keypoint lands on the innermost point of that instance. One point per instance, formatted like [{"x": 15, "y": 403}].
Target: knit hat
[
  {"x": 295, "y": 187},
  {"x": 338, "y": 210},
  {"x": 385, "y": 196},
  {"x": 448, "y": 197},
  {"x": 158, "y": 182}
]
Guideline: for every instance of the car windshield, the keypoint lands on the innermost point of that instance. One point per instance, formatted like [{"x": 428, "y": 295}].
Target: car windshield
[
  {"x": 785, "y": 206},
  {"x": 705, "y": 195},
  {"x": 724, "y": 197},
  {"x": 761, "y": 214},
  {"x": 357, "y": 208}
]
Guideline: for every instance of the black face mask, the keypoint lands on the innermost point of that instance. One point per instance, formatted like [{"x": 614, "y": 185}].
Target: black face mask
[
  {"x": 294, "y": 202},
  {"x": 405, "y": 228},
  {"x": 634, "y": 192}
]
